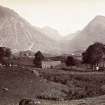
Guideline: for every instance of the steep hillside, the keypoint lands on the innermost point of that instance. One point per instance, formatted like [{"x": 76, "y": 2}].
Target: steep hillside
[
  {"x": 65, "y": 43},
  {"x": 93, "y": 32},
  {"x": 18, "y": 34},
  {"x": 51, "y": 33}
]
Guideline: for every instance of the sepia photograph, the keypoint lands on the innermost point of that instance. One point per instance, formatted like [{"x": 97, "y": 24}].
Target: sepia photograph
[{"x": 52, "y": 52}]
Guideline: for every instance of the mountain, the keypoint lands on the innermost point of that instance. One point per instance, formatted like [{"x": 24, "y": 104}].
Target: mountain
[
  {"x": 17, "y": 34},
  {"x": 70, "y": 36},
  {"x": 51, "y": 33},
  {"x": 66, "y": 42},
  {"x": 93, "y": 32}
]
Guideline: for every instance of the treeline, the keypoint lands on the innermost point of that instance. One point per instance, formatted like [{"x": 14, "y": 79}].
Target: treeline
[{"x": 92, "y": 56}]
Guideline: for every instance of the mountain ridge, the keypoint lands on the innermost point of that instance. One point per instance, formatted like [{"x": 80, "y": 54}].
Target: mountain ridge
[
  {"x": 16, "y": 33},
  {"x": 93, "y": 32}
]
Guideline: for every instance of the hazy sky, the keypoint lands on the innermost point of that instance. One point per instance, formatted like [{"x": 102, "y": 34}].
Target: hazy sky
[{"x": 67, "y": 16}]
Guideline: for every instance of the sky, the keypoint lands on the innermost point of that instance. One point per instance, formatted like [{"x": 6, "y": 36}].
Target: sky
[{"x": 67, "y": 16}]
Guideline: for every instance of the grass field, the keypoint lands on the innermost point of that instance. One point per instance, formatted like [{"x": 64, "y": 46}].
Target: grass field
[
  {"x": 76, "y": 88},
  {"x": 81, "y": 84},
  {"x": 17, "y": 83}
]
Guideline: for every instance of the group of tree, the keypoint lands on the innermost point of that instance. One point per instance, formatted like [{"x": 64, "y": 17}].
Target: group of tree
[
  {"x": 93, "y": 54},
  {"x": 5, "y": 57},
  {"x": 38, "y": 58},
  {"x": 5, "y": 54},
  {"x": 70, "y": 61}
]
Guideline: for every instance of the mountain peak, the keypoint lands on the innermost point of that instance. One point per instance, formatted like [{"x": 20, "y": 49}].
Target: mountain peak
[
  {"x": 98, "y": 20},
  {"x": 98, "y": 23},
  {"x": 100, "y": 17},
  {"x": 5, "y": 12},
  {"x": 17, "y": 34},
  {"x": 93, "y": 32}
]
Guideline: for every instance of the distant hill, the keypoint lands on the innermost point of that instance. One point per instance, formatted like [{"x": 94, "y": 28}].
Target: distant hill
[
  {"x": 51, "y": 33},
  {"x": 65, "y": 42},
  {"x": 93, "y": 32},
  {"x": 70, "y": 36},
  {"x": 17, "y": 34}
]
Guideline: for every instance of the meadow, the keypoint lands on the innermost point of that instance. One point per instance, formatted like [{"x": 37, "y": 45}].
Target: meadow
[{"x": 57, "y": 86}]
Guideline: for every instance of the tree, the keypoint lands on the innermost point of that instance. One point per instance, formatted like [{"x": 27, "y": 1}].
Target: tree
[
  {"x": 70, "y": 61},
  {"x": 5, "y": 54},
  {"x": 38, "y": 59},
  {"x": 93, "y": 54}
]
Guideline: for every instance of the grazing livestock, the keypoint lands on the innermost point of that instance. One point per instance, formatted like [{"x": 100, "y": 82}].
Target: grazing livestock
[
  {"x": 4, "y": 89},
  {"x": 36, "y": 73}
]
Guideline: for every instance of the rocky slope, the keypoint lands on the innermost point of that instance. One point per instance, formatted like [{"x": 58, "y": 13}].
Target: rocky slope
[
  {"x": 17, "y": 34},
  {"x": 93, "y": 32},
  {"x": 51, "y": 33}
]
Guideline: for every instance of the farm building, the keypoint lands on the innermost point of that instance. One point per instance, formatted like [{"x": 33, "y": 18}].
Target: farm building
[
  {"x": 101, "y": 63},
  {"x": 50, "y": 64},
  {"x": 27, "y": 53}
]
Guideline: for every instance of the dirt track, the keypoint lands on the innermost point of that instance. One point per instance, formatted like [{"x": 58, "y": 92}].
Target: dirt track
[{"x": 87, "y": 101}]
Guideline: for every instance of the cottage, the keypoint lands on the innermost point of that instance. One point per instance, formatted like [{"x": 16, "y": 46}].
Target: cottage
[
  {"x": 27, "y": 53},
  {"x": 50, "y": 64},
  {"x": 101, "y": 64}
]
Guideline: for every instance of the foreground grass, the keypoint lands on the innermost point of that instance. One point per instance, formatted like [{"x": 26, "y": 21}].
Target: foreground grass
[
  {"x": 21, "y": 82},
  {"x": 17, "y": 83},
  {"x": 81, "y": 84}
]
